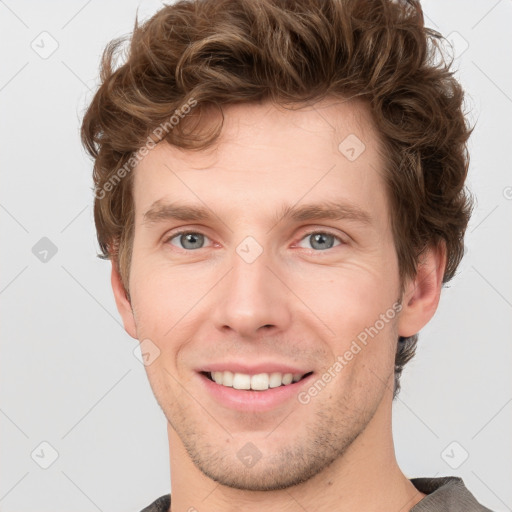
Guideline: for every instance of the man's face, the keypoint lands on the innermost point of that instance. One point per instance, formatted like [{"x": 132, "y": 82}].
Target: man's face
[{"x": 252, "y": 288}]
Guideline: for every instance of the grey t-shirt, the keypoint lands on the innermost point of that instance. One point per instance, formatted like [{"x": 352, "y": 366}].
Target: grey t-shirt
[{"x": 445, "y": 494}]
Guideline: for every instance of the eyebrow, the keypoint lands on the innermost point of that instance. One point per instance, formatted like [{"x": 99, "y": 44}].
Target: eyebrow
[{"x": 161, "y": 211}]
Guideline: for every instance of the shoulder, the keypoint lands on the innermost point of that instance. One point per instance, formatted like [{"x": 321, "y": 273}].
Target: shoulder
[
  {"x": 447, "y": 494},
  {"x": 162, "y": 504}
]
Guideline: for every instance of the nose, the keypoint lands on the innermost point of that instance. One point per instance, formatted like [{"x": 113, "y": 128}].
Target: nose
[{"x": 251, "y": 299}]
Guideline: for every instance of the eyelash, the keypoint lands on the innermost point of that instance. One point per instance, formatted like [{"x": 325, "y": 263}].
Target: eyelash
[{"x": 306, "y": 235}]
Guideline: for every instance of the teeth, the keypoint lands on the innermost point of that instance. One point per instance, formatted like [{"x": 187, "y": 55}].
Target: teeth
[
  {"x": 218, "y": 377},
  {"x": 259, "y": 382},
  {"x": 227, "y": 378},
  {"x": 275, "y": 380},
  {"x": 241, "y": 381},
  {"x": 287, "y": 378}
]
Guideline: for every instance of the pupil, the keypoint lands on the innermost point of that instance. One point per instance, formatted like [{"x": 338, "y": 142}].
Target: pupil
[
  {"x": 195, "y": 239},
  {"x": 320, "y": 238}
]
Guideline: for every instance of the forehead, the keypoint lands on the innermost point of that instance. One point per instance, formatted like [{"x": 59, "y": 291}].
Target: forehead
[{"x": 270, "y": 155}]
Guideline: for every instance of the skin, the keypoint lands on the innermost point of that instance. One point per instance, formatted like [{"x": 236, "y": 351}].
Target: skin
[{"x": 296, "y": 303}]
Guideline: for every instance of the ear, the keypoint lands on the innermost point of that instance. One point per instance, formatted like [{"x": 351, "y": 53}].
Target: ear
[
  {"x": 421, "y": 294},
  {"x": 122, "y": 302}
]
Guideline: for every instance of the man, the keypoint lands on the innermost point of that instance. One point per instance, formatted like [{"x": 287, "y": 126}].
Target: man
[{"x": 280, "y": 189}]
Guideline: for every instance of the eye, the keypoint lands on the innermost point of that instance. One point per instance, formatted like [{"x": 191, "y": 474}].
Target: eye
[
  {"x": 321, "y": 240},
  {"x": 188, "y": 240}
]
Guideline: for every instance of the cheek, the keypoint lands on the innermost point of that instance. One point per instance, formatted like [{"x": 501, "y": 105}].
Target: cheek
[
  {"x": 358, "y": 305},
  {"x": 348, "y": 298},
  {"x": 164, "y": 297}
]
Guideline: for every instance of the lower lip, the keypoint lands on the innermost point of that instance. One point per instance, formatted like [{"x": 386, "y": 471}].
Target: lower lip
[{"x": 253, "y": 401}]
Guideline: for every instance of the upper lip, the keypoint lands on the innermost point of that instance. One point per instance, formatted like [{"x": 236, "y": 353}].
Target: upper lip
[{"x": 252, "y": 369}]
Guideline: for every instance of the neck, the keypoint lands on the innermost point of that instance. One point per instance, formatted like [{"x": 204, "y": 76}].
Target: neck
[{"x": 365, "y": 478}]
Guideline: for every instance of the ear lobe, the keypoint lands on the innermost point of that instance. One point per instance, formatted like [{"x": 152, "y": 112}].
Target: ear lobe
[
  {"x": 123, "y": 304},
  {"x": 421, "y": 295}
]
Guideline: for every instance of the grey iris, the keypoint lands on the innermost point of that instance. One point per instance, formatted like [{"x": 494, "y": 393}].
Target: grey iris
[
  {"x": 320, "y": 239},
  {"x": 196, "y": 240}
]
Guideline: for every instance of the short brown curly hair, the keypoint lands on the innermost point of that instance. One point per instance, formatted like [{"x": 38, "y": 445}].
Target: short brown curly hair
[{"x": 220, "y": 52}]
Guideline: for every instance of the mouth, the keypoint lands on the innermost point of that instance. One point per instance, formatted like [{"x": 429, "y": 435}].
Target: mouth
[
  {"x": 258, "y": 382},
  {"x": 253, "y": 392}
]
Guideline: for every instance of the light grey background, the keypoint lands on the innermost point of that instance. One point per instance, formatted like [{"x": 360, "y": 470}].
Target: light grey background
[{"x": 68, "y": 373}]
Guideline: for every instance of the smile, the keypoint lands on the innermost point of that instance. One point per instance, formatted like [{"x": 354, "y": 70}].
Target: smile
[{"x": 258, "y": 382}]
